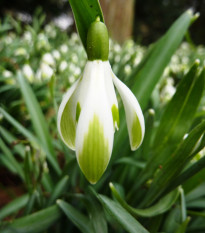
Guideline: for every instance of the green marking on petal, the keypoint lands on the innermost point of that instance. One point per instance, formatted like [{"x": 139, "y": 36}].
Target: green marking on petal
[
  {"x": 68, "y": 126},
  {"x": 78, "y": 110},
  {"x": 115, "y": 115},
  {"x": 136, "y": 132},
  {"x": 95, "y": 155}
]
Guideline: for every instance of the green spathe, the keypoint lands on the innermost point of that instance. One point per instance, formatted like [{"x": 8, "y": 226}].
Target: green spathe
[
  {"x": 136, "y": 136},
  {"x": 95, "y": 154},
  {"x": 97, "y": 41}
]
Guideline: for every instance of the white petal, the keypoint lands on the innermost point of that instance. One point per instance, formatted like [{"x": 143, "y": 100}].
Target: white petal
[
  {"x": 134, "y": 116},
  {"x": 111, "y": 94},
  {"x": 94, "y": 135},
  {"x": 66, "y": 117}
]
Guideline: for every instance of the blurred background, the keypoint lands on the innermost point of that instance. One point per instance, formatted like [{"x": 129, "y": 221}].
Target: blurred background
[{"x": 143, "y": 21}]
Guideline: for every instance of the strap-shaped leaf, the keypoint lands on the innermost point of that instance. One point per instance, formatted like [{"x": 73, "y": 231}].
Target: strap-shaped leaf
[
  {"x": 81, "y": 221},
  {"x": 12, "y": 160},
  {"x": 174, "y": 164},
  {"x": 149, "y": 72},
  {"x": 33, "y": 140},
  {"x": 85, "y": 12},
  {"x": 38, "y": 121},
  {"x": 121, "y": 215},
  {"x": 37, "y": 222},
  {"x": 182, "y": 228},
  {"x": 160, "y": 207},
  {"x": 9, "y": 138},
  {"x": 59, "y": 189},
  {"x": 14, "y": 206},
  {"x": 175, "y": 121}
]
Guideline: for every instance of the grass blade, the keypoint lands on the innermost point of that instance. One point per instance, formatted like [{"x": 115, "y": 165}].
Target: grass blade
[
  {"x": 15, "y": 165},
  {"x": 160, "y": 207},
  {"x": 75, "y": 216},
  {"x": 37, "y": 222},
  {"x": 14, "y": 206},
  {"x": 175, "y": 121},
  {"x": 38, "y": 121},
  {"x": 124, "y": 218},
  {"x": 147, "y": 76},
  {"x": 58, "y": 190}
]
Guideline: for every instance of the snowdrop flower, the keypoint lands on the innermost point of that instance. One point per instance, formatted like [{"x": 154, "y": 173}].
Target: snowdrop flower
[
  {"x": 28, "y": 36},
  {"x": 88, "y": 114},
  {"x": 28, "y": 72},
  {"x": 9, "y": 77},
  {"x": 42, "y": 42},
  {"x": 7, "y": 74},
  {"x": 64, "y": 48},
  {"x": 56, "y": 54},
  {"x": 63, "y": 65},
  {"x": 48, "y": 59},
  {"x": 45, "y": 72},
  {"x": 21, "y": 52}
]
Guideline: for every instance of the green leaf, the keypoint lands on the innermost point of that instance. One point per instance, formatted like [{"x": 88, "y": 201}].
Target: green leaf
[
  {"x": 9, "y": 138},
  {"x": 85, "y": 12},
  {"x": 34, "y": 141},
  {"x": 97, "y": 217},
  {"x": 14, "y": 206},
  {"x": 81, "y": 222},
  {"x": 19, "y": 127},
  {"x": 31, "y": 202},
  {"x": 96, "y": 212},
  {"x": 148, "y": 75},
  {"x": 196, "y": 193},
  {"x": 180, "y": 111},
  {"x": 130, "y": 161},
  {"x": 153, "y": 68},
  {"x": 34, "y": 223},
  {"x": 192, "y": 175},
  {"x": 160, "y": 207},
  {"x": 174, "y": 164},
  {"x": 182, "y": 228},
  {"x": 175, "y": 121},
  {"x": 183, "y": 204},
  {"x": 11, "y": 159},
  {"x": 38, "y": 121},
  {"x": 129, "y": 223},
  {"x": 197, "y": 204},
  {"x": 58, "y": 190}
]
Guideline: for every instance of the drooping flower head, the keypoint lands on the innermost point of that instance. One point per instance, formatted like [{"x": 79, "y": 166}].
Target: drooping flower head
[{"x": 88, "y": 114}]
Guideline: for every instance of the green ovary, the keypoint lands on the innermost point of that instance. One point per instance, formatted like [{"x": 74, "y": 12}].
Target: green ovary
[
  {"x": 94, "y": 157},
  {"x": 136, "y": 132},
  {"x": 67, "y": 126}
]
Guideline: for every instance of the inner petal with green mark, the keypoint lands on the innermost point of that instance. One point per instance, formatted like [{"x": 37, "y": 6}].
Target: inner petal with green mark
[
  {"x": 115, "y": 116},
  {"x": 78, "y": 110},
  {"x": 136, "y": 132},
  {"x": 95, "y": 154},
  {"x": 68, "y": 126}
]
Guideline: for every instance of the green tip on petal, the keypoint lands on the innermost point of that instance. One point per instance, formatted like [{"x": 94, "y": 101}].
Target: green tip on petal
[
  {"x": 115, "y": 116},
  {"x": 136, "y": 133},
  {"x": 78, "y": 110},
  {"x": 95, "y": 154},
  {"x": 67, "y": 126}
]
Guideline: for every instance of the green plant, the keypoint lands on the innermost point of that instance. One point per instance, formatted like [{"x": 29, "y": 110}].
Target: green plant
[{"x": 154, "y": 189}]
